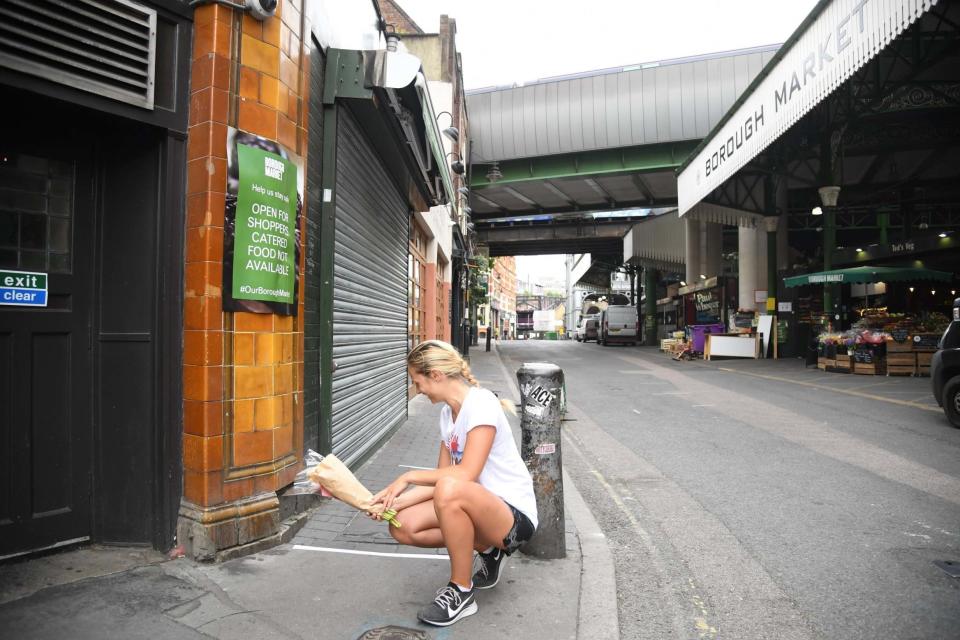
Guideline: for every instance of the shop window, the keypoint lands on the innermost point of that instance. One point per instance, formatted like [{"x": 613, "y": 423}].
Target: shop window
[
  {"x": 416, "y": 286},
  {"x": 36, "y": 206},
  {"x": 441, "y": 306}
]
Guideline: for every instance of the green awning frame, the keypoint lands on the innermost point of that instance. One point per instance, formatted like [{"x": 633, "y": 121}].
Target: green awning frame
[{"x": 860, "y": 275}]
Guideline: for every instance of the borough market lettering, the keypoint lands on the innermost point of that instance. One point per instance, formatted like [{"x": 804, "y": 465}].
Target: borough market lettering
[{"x": 836, "y": 41}]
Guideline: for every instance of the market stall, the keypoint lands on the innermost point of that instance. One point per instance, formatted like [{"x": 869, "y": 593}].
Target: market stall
[{"x": 880, "y": 341}]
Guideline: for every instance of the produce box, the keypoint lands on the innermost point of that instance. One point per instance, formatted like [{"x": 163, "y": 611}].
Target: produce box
[
  {"x": 900, "y": 347},
  {"x": 842, "y": 364},
  {"x": 923, "y": 371},
  {"x": 924, "y": 358},
  {"x": 821, "y": 362},
  {"x": 875, "y": 368}
]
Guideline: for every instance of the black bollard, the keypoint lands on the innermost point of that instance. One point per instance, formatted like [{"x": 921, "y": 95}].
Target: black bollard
[
  {"x": 540, "y": 387},
  {"x": 489, "y": 335}
]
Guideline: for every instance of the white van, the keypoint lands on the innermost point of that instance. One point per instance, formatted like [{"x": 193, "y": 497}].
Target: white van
[{"x": 619, "y": 323}]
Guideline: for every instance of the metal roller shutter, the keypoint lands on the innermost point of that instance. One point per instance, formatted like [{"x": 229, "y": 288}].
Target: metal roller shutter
[{"x": 369, "y": 297}]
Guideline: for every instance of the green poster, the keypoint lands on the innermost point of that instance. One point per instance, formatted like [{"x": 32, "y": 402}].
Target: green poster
[{"x": 264, "y": 258}]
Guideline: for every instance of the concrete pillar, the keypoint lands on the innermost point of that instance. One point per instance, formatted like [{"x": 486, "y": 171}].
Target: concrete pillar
[
  {"x": 747, "y": 266},
  {"x": 712, "y": 249},
  {"x": 693, "y": 237},
  {"x": 650, "y": 306},
  {"x": 761, "y": 276}
]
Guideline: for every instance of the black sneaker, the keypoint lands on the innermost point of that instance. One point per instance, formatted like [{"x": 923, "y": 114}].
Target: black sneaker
[
  {"x": 450, "y": 605},
  {"x": 488, "y": 574}
]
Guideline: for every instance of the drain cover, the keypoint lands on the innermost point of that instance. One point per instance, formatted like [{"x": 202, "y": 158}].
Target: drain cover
[
  {"x": 394, "y": 633},
  {"x": 952, "y": 568}
]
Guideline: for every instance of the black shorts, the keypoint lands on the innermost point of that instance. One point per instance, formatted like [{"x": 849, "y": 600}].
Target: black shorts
[{"x": 521, "y": 531}]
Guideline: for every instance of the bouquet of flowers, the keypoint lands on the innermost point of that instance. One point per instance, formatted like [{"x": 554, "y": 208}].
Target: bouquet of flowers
[{"x": 335, "y": 477}]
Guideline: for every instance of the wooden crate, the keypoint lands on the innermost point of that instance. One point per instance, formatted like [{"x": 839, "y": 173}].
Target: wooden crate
[
  {"x": 842, "y": 364},
  {"x": 899, "y": 364},
  {"x": 900, "y": 347},
  {"x": 923, "y": 371},
  {"x": 901, "y": 370},
  {"x": 875, "y": 368},
  {"x": 924, "y": 358}
]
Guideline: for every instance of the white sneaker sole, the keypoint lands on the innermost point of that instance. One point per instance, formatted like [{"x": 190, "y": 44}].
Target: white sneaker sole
[{"x": 468, "y": 610}]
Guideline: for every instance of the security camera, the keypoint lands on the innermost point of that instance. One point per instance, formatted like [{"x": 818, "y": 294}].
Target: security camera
[{"x": 262, "y": 9}]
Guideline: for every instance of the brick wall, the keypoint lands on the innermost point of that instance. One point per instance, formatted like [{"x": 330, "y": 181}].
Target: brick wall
[
  {"x": 243, "y": 372},
  {"x": 396, "y": 16}
]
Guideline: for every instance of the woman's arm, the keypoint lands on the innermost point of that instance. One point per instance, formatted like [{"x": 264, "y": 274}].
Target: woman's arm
[{"x": 475, "y": 452}]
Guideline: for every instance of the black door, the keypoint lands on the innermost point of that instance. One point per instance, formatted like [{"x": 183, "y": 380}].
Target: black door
[{"x": 46, "y": 226}]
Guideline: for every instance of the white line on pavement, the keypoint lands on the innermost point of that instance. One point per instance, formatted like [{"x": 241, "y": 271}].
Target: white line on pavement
[{"x": 424, "y": 556}]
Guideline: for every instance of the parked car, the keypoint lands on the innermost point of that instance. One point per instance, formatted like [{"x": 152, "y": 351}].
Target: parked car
[
  {"x": 588, "y": 328},
  {"x": 619, "y": 323},
  {"x": 945, "y": 369}
]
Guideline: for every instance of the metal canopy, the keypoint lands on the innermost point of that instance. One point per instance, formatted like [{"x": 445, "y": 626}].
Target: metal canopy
[
  {"x": 609, "y": 139},
  {"x": 829, "y": 48}
]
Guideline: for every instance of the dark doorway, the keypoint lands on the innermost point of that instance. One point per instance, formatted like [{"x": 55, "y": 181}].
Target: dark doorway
[{"x": 47, "y": 205}]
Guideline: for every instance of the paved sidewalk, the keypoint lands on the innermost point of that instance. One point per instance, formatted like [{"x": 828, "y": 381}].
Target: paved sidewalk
[{"x": 341, "y": 576}]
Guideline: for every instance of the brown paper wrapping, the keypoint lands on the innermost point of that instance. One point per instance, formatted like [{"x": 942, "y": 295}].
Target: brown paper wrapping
[{"x": 342, "y": 484}]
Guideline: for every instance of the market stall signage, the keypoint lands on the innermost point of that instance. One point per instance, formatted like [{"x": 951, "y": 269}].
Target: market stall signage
[
  {"x": 263, "y": 258},
  {"x": 828, "y": 277},
  {"x": 23, "y": 289}
]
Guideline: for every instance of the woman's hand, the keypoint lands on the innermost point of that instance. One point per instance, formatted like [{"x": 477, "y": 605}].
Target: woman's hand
[
  {"x": 388, "y": 496},
  {"x": 376, "y": 512}
]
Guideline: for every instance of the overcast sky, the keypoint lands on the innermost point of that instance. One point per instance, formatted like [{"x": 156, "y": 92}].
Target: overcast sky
[{"x": 514, "y": 41}]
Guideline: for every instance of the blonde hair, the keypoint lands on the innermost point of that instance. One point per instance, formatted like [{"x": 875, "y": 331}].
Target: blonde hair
[{"x": 442, "y": 357}]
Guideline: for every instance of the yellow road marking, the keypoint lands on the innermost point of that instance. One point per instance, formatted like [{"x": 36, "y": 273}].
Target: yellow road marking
[{"x": 849, "y": 392}]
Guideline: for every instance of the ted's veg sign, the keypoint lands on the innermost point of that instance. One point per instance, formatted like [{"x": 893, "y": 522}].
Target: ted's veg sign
[{"x": 23, "y": 289}]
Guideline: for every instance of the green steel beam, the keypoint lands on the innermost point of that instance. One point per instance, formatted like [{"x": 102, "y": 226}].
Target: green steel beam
[{"x": 586, "y": 164}]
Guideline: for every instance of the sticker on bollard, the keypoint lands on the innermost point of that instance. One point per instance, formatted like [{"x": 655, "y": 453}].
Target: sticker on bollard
[{"x": 540, "y": 388}]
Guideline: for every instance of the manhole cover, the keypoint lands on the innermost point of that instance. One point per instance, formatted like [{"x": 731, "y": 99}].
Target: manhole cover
[
  {"x": 952, "y": 568},
  {"x": 394, "y": 633}
]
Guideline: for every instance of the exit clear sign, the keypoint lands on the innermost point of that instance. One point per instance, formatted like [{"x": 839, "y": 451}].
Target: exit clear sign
[{"x": 23, "y": 289}]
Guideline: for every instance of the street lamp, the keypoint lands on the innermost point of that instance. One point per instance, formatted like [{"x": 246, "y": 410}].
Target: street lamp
[{"x": 457, "y": 165}]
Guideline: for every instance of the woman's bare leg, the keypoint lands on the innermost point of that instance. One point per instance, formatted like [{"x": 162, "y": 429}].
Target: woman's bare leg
[{"x": 470, "y": 517}]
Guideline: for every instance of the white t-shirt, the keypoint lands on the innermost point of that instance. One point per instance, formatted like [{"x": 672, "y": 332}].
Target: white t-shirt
[{"x": 504, "y": 474}]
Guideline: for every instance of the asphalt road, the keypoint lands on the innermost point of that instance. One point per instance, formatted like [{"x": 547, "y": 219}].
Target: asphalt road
[{"x": 759, "y": 500}]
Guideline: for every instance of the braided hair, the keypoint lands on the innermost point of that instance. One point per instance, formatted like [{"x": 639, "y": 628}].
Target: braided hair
[{"x": 437, "y": 355}]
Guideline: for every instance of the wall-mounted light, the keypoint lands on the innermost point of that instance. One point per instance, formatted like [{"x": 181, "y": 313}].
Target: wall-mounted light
[
  {"x": 682, "y": 283},
  {"x": 451, "y": 132},
  {"x": 859, "y": 250},
  {"x": 259, "y": 9},
  {"x": 816, "y": 211},
  {"x": 457, "y": 165},
  {"x": 463, "y": 191},
  {"x": 943, "y": 234},
  {"x": 911, "y": 289},
  {"x": 703, "y": 277},
  {"x": 933, "y": 292}
]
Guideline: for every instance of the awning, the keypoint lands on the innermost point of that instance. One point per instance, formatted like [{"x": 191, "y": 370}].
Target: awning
[
  {"x": 859, "y": 275},
  {"x": 833, "y": 42}
]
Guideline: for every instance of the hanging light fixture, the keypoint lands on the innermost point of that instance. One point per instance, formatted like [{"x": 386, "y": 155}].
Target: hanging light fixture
[
  {"x": 829, "y": 195},
  {"x": 493, "y": 173},
  {"x": 451, "y": 132}
]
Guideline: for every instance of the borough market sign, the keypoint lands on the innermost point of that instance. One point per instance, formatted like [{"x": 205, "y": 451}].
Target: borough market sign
[{"x": 843, "y": 37}]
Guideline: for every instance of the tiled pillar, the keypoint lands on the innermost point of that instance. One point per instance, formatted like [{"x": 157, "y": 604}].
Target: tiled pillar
[
  {"x": 243, "y": 372},
  {"x": 430, "y": 303}
]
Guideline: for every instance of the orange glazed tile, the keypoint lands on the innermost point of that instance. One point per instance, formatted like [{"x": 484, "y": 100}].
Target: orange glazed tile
[
  {"x": 244, "y": 321},
  {"x": 252, "y": 448},
  {"x": 201, "y": 75},
  {"x": 286, "y": 132},
  {"x": 287, "y": 474},
  {"x": 286, "y": 409},
  {"x": 198, "y": 140},
  {"x": 286, "y": 348},
  {"x": 207, "y": 174},
  {"x": 282, "y": 441},
  {"x": 252, "y": 382},
  {"x": 205, "y": 208},
  {"x": 264, "y": 350},
  {"x": 205, "y": 244},
  {"x": 260, "y": 55},
  {"x": 203, "y": 489},
  {"x": 236, "y": 489},
  {"x": 202, "y": 418},
  {"x": 203, "y": 279},
  {"x": 291, "y": 18},
  {"x": 249, "y": 83},
  {"x": 203, "y": 348},
  {"x": 269, "y": 91},
  {"x": 243, "y": 348},
  {"x": 289, "y": 73},
  {"x": 265, "y": 413},
  {"x": 258, "y": 119},
  {"x": 202, "y": 312},
  {"x": 282, "y": 324},
  {"x": 266, "y": 482},
  {"x": 243, "y": 411},
  {"x": 283, "y": 378},
  {"x": 293, "y": 106},
  {"x": 202, "y": 454},
  {"x": 202, "y": 383},
  {"x": 271, "y": 31},
  {"x": 208, "y": 13},
  {"x": 252, "y": 26}
]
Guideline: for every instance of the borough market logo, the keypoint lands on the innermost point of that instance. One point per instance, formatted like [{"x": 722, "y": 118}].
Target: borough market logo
[{"x": 837, "y": 40}]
